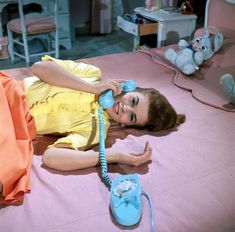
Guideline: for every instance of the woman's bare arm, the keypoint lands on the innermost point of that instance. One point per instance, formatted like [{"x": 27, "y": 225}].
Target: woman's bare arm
[
  {"x": 54, "y": 74},
  {"x": 64, "y": 159}
]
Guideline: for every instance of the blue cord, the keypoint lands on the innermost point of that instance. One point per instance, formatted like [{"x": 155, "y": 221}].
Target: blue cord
[
  {"x": 151, "y": 209},
  {"x": 103, "y": 161}
]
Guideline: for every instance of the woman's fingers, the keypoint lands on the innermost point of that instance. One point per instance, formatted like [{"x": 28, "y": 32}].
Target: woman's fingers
[
  {"x": 119, "y": 80},
  {"x": 117, "y": 89},
  {"x": 147, "y": 149},
  {"x": 145, "y": 156},
  {"x": 114, "y": 85}
]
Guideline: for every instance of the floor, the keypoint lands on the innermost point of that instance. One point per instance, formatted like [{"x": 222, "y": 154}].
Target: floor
[{"x": 86, "y": 46}]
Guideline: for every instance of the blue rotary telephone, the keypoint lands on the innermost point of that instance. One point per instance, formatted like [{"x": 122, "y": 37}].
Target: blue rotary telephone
[{"x": 125, "y": 200}]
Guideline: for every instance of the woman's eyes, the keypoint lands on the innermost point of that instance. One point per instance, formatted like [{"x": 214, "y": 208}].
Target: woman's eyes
[
  {"x": 131, "y": 117},
  {"x": 134, "y": 101}
]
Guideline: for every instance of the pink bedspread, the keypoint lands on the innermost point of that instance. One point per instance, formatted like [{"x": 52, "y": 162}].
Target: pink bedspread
[
  {"x": 190, "y": 178},
  {"x": 204, "y": 84}
]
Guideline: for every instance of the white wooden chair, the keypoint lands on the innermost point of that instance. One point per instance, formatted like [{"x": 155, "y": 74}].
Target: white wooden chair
[{"x": 34, "y": 26}]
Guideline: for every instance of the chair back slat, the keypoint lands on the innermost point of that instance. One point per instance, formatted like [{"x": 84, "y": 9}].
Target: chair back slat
[{"x": 34, "y": 25}]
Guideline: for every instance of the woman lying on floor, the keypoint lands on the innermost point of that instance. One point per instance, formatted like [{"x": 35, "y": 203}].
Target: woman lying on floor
[{"x": 62, "y": 99}]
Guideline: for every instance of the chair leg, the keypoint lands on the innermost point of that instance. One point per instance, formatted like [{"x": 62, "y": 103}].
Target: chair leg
[
  {"x": 26, "y": 49},
  {"x": 48, "y": 42},
  {"x": 57, "y": 44},
  {"x": 10, "y": 44}
]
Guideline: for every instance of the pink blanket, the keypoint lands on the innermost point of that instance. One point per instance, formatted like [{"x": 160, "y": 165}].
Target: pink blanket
[
  {"x": 204, "y": 84},
  {"x": 190, "y": 178}
]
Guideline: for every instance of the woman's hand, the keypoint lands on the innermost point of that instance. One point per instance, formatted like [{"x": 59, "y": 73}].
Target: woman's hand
[
  {"x": 114, "y": 85},
  {"x": 136, "y": 159}
]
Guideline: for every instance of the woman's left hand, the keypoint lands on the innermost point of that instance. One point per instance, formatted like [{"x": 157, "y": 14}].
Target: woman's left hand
[{"x": 136, "y": 159}]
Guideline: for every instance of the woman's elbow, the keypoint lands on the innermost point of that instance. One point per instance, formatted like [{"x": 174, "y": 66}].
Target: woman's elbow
[
  {"x": 48, "y": 159},
  {"x": 35, "y": 67},
  {"x": 38, "y": 68}
]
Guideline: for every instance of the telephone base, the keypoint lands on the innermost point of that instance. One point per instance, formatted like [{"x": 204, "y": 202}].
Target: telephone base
[{"x": 126, "y": 202}]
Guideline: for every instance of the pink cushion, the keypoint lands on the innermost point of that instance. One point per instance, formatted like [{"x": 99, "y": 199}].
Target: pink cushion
[{"x": 33, "y": 25}]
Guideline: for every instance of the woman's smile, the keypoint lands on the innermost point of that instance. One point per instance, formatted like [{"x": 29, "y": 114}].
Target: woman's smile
[{"x": 116, "y": 107}]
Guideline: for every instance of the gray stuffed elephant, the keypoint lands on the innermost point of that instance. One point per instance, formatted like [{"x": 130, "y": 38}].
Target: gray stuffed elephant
[{"x": 191, "y": 56}]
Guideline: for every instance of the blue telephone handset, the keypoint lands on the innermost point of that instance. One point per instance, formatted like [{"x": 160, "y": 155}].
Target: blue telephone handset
[
  {"x": 106, "y": 98},
  {"x": 125, "y": 200}
]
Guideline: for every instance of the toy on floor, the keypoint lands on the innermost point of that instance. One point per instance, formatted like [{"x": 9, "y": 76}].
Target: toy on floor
[
  {"x": 228, "y": 84},
  {"x": 191, "y": 55}
]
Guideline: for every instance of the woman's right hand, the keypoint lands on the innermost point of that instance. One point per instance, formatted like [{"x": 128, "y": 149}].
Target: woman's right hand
[{"x": 113, "y": 84}]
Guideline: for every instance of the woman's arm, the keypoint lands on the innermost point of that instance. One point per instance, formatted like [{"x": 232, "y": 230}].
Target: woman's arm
[
  {"x": 54, "y": 74},
  {"x": 63, "y": 159}
]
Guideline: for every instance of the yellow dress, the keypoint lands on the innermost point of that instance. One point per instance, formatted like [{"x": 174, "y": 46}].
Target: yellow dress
[{"x": 70, "y": 113}]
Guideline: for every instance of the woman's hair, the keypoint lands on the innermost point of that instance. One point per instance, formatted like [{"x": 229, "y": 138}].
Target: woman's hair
[{"x": 161, "y": 114}]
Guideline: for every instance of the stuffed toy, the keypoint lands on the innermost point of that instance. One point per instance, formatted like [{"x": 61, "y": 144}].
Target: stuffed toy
[
  {"x": 228, "y": 84},
  {"x": 190, "y": 56}
]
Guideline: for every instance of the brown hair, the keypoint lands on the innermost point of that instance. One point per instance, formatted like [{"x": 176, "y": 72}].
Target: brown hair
[{"x": 161, "y": 114}]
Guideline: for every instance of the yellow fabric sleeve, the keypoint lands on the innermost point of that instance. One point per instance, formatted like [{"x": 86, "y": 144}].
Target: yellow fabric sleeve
[
  {"x": 84, "y": 71},
  {"x": 84, "y": 139},
  {"x": 75, "y": 140}
]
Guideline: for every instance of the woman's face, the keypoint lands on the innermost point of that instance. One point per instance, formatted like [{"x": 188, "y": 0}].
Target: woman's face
[{"x": 130, "y": 109}]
